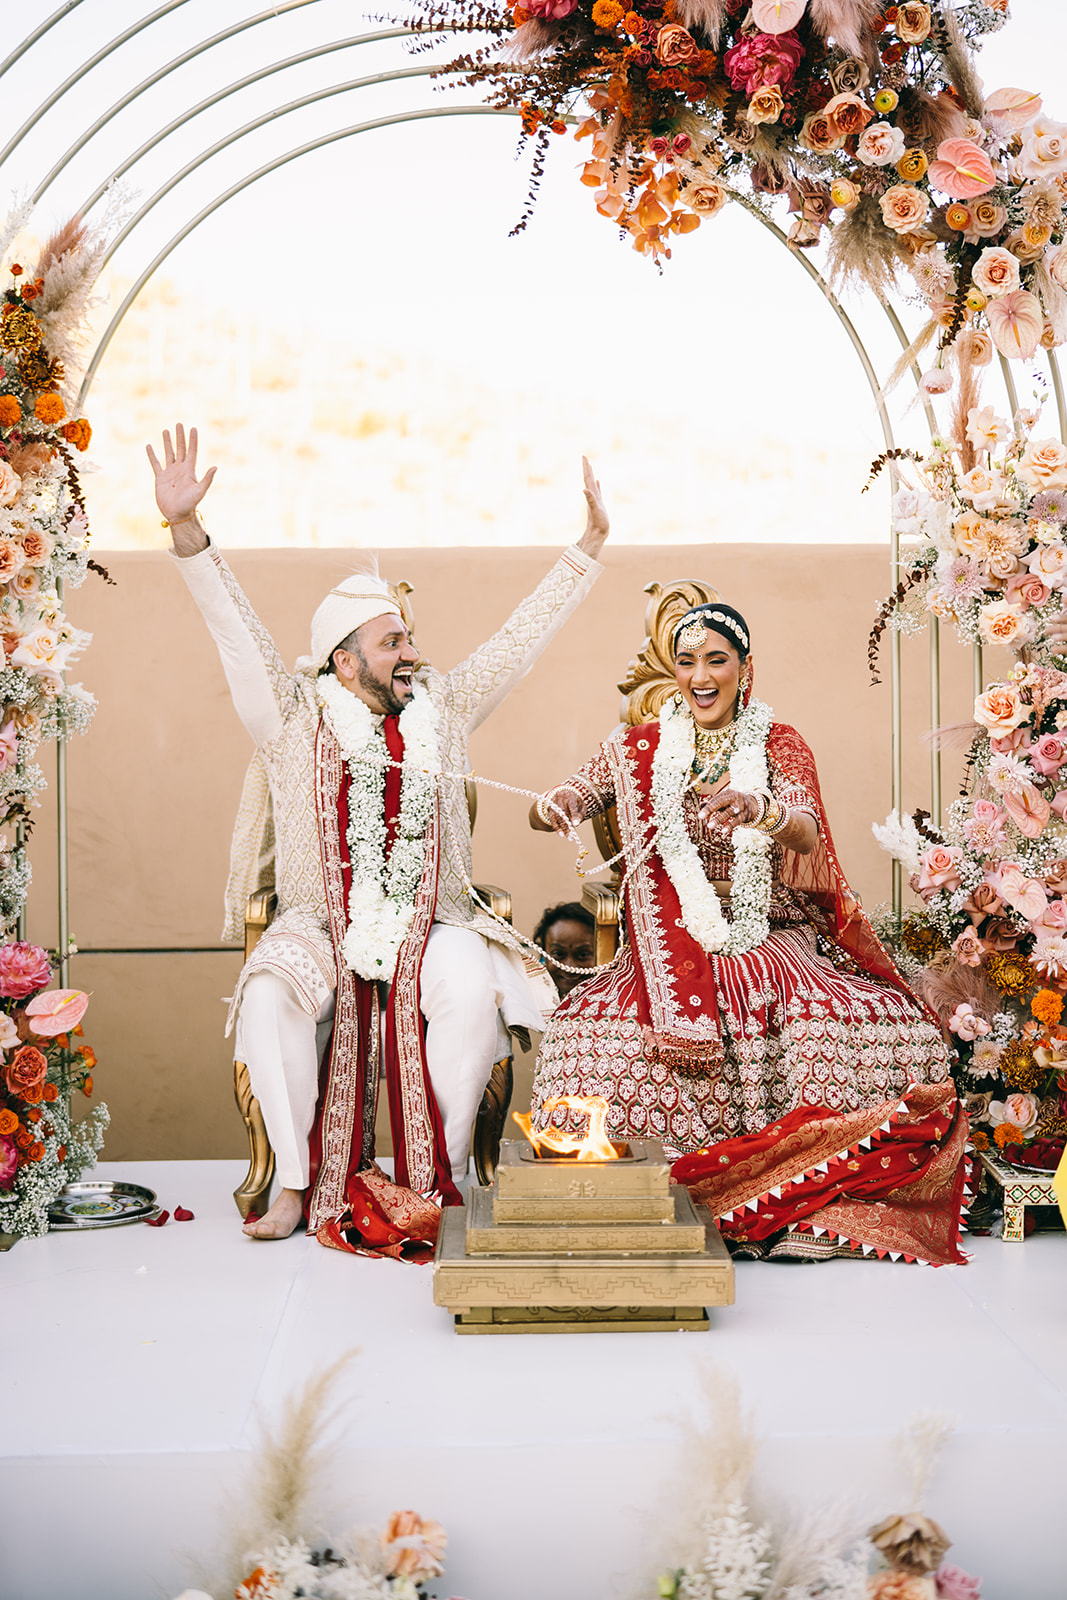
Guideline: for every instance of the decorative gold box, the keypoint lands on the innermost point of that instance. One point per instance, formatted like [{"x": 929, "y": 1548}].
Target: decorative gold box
[{"x": 565, "y": 1246}]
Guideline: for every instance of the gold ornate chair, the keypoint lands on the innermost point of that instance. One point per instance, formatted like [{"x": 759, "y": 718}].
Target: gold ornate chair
[
  {"x": 253, "y": 1191},
  {"x": 649, "y": 681}
]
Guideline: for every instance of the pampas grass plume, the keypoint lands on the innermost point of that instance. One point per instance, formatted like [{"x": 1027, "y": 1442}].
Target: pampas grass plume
[
  {"x": 861, "y": 246},
  {"x": 846, "y": 21}
]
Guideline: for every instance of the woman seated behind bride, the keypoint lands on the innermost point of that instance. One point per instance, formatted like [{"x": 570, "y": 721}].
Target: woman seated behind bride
[{"x": 752, "y": 1023}]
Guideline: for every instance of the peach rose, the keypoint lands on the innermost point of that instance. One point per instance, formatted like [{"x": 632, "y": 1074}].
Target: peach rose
[
  {"x": 1021, "y": 1110},
  {"x": 1056, "y": 265},
  {"x": 766, "y": 104},
  {"x": 413, "y": 1546},
  {"x": 974, "y": 345},
  {"x": 996, "y": 272},
  {"x": 1027, "y": 244},
  {"x": 880, "y": 145},
  {"x": 10, "y": 484},
  {"x": 904, "y": 208},
  {"x": 913, "y": 23},
  {"x": 26, "y": 583},
  {"x": 939, "y": 867},
  {"x": 706, "y": 199},
  {"x": 1049, "y": 563},
  {"x": 848, "y": 113},
  {"x": 36, "y": 547},
  {"x": 1044, "y": 464},
  {"x": 11, "y": 559},
  {"x": 987, "y": 219},
  {"x": 981, "y": 487},
  {"x": 1044, "y": 151},
  {"x": 675, "y": 45},
  {"x": 1000, "y": 709},
  {"x": 1003, "y": 624},
  {"x": 820, "y": 132}
]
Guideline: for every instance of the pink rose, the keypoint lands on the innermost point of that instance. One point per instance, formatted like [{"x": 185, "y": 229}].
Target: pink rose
[
  {"x": 939, "y": 868},
  {"x": 1026, "y": 587},
  {"x": 9, "y": 1162},
  {"x": 1059, "y": 803},
  {"x": 9, "y": 745},
  {"x": 968, "y": 948},
  {"x": 1056, "y": 877},
  {"x": 1048, "y": 754},
  {"x": 1021, "y": 1110},
  {"x": 982, "y": 902},
  {"x": 550, "y": 8},
  {"x": 759, "y": 59},
  {"x": 995, "y": 272},
  {"x": 1006, "y": 744},
  {"x": 658, "y": 147},
  {"x": 966, "y": 1024},
  {"x": 955, "y": 1584},
  {"x": 24, "y": 968},
  {"x": 1055, "y": 917}
]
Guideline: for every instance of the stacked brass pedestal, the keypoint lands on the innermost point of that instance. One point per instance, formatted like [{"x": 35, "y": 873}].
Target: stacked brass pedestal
[{"x": 562, "y": 1246}]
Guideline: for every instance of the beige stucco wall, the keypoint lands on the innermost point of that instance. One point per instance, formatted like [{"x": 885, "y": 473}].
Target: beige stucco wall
[{"x": 154, "y": 786}]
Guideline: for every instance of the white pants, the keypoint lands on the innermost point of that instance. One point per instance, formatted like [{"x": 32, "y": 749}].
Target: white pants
[{"x": 282, "y": 1046}]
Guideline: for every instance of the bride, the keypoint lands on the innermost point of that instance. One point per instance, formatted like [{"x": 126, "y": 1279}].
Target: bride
[{"x": 753, "y": 1022}]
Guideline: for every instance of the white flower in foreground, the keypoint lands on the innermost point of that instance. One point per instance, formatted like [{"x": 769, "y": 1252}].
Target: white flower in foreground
[{"x": 901, "y": 839}]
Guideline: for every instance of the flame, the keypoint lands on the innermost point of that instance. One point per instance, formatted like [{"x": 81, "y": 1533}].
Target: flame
[{"x": 595, "y": 1146}]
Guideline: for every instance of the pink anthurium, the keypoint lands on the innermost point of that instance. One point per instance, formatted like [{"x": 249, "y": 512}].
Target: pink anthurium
[
  {"x": 961, "y": 170},
  {"x": 777, "y": 16},
  {"x": 1016, "y": 322},
  {"x": 56, "y": 1011}
]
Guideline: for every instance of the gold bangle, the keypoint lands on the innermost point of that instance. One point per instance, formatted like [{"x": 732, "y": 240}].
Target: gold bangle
[{"x": 779, "y": 826}]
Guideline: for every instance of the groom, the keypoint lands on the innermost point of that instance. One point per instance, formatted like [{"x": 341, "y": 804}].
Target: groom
[{"x": 372, "y": 867}]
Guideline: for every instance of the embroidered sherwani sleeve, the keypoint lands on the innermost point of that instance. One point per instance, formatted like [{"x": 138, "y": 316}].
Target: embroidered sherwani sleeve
[
  {"x": 478, "y": 685},
  {"x": 263, "y": 691}
]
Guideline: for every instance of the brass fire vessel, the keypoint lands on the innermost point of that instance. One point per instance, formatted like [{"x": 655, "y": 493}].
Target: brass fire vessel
[{"x": 566, "y": 1246}]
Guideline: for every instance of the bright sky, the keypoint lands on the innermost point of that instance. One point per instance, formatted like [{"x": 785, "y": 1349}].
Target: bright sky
[{"x": 373, "y": 360}]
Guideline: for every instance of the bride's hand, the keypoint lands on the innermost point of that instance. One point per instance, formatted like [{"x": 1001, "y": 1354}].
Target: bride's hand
[{"x": 730, "y": 808}]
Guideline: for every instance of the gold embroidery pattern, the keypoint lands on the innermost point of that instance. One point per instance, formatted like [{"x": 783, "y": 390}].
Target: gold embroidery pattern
[{"x": 418, "y": 1128}]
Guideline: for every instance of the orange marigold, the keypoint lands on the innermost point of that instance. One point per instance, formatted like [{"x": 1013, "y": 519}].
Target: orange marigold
[
  {"x": 8, "y": 1121},
  {"x": 519, "y": 15},
  {"x": 78, "y": 433},
  {"x": 49, "y": 408},
  {"x": 1008, "y": 1133},
  {"x": 980, "y": 1140},
  {"x": 1047, "y": 1007},
  {"x": 607, "y": 13},
  {"x": 10, "y": 411}
]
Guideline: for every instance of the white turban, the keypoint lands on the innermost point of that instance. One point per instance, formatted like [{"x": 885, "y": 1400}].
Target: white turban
[{"x": 355, "y": 601}]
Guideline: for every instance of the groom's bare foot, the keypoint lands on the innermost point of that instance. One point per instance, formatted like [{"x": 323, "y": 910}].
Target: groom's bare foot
[{"x": 281, "y": 1219}]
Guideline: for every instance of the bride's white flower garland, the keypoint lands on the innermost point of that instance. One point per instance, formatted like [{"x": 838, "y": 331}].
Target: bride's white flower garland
[
  {"x": 381, "y": 901},
  {"x": 702, "y": 913}
]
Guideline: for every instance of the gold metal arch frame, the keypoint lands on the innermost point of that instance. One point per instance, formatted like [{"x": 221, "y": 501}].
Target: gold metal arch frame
[{"x": 322, "y": 51}]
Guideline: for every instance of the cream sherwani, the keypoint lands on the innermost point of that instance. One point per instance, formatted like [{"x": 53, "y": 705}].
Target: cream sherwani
[{"x": 472, "y": 976}]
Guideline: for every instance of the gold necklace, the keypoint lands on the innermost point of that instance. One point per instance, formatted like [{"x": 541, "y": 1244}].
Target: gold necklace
[{"x": 711, "y": 745}]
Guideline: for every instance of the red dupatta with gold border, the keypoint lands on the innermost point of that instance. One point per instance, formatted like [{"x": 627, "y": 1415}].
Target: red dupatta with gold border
[{"x": 350, "y": 1203}]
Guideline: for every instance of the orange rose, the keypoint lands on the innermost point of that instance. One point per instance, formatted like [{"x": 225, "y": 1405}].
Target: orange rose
[
  {"x": 913, "y": 23},
  {"x": 8, "y": 1121},
  {"x": 36, "y": 1150},
  {"x": 87, "y": 1087},
  {"x": 49, "y": 409},
  {"x": 78, "y": 433},
  {"x": 848, "y": 113},
  {"x": 766, "y": 105},
  {"x": 49, "y": 1093},
  {"x": 675, "y": 45},
  {"x": 820, "y": 132},
  {"x": 25, "y": 1072}
]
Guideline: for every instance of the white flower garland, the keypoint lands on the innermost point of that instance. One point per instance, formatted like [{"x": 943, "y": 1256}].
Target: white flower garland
[
  {"x": 381, "y": 901},
  {"x": 702, "y": 913}
]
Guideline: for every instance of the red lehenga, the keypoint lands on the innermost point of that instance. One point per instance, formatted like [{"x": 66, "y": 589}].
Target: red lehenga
[{"x": 801, "y": 1088}]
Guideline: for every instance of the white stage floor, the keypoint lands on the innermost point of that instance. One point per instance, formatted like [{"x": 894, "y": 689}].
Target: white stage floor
[{"x": 136, "y": 1359}]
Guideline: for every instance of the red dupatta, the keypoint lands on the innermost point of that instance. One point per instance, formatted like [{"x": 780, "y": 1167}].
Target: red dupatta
[{"x": 350, "y": 1203}]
